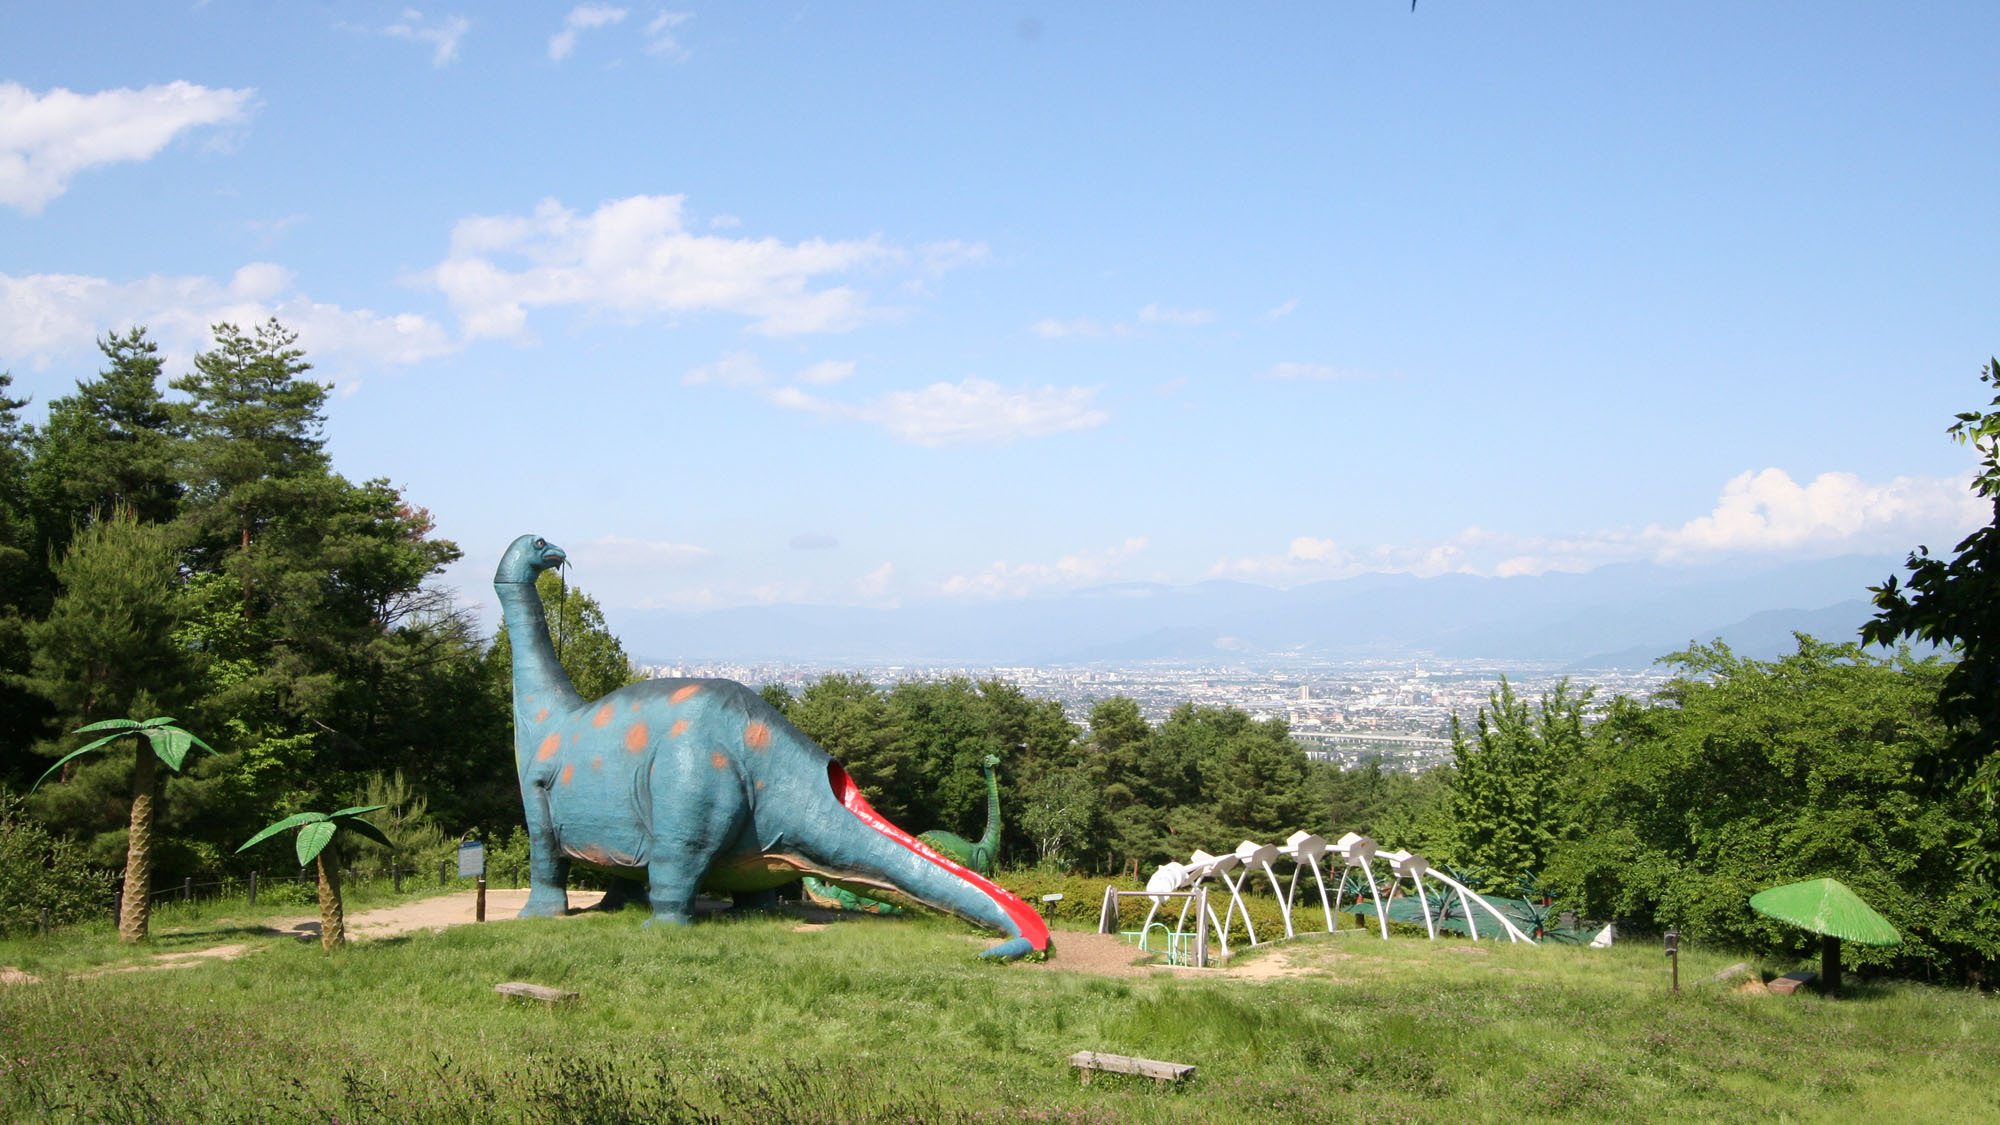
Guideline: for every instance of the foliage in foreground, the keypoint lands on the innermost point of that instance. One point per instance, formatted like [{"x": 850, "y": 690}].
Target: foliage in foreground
[
  {"x": 893, "y": 1020},
  {"x": 40, "y": 872}
]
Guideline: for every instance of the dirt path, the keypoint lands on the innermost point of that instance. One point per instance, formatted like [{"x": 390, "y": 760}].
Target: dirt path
[
  {"x": 1075, "y": 951},
  {"x": 436, "y": 913}
]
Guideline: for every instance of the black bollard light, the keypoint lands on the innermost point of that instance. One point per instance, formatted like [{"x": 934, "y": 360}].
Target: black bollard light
[{"x": 1674, "y": 956}]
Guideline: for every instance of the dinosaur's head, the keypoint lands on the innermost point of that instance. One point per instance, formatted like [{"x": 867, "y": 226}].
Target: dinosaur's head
[
  {"x": 525, "y": 560},
  {"x": 992, "y": 760}
]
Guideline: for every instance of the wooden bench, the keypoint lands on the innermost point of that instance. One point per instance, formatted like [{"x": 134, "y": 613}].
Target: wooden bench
[
  {"x": 542, "y": 992},
  {"x": 1792, "y": 982},
  {"x": 1166, "y": 1072}
]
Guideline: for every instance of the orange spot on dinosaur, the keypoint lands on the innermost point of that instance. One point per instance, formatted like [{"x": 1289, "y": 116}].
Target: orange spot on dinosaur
[
  {"x": 635, "y": 705},
  {"x": 635, "y": 737},
  {"x": 718, "y": 761},
  {"x": 569, "y": 771},
  {"x": 597, "y": 763},
  {"x": 542, "y": 715},
  {"x": 603, "y": 715},
  {"x": 549, "y": 747},
  {"x": 679, "y": 728},
  {"x": 685, "y": 694},
  {"x": 760, "y": 785},
  {"x": 757, "y": 736}
]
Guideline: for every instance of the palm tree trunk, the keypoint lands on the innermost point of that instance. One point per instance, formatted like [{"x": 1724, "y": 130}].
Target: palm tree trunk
[
  {"x": 332, "y": 918},
  {"x": 137, "y": 906}
]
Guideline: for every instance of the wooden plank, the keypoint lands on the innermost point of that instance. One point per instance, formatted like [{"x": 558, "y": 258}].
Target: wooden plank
[
  {"x": 547, "y": 995},
  {"x": 1087, "y": 1061},
  {"x": 1792, "y": 982}
]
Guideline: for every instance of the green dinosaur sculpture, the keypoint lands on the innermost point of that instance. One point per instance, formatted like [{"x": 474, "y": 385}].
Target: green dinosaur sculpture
[{"x": 977, "y": 856}]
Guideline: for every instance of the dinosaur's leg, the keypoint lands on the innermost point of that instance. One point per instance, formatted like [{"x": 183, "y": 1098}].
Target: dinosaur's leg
[
  {"x": 548, "y": 868},
  {"x": 697, "y": 810},
  {"x": 747, "y": 901},
  {"x": 621, "y": 893}
]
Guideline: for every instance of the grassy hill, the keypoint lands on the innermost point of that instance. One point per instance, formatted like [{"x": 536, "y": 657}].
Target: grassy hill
[{"x": 892, "y": 1019}]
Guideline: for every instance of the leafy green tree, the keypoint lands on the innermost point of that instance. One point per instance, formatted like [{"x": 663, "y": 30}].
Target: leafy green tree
[
  {"x": 316, "y": 832},
  {"x": 850, "y": 719},
  {"x": 255, "y": 451},
  {"x": 108, "y": 639},
  {"x": 1060, "y": 812},
  {"x": 1256, "y": 780},
  {"x": 1512, "y": 799},
  {"x": 405, "y": 822},
  {"x": 1115, "y": 753},
  {"x": 25, "y": 590},
  {"x": 779, "y": 697},
  {"x": 108, "y": 448},
  {"x": 1035, "y": 737},
  {"x": 163, "y": 743},
  {"x": 1956, "y": 603},
  {"x": 949, "y": 731},
  {"x": 1740, "y": 775}
]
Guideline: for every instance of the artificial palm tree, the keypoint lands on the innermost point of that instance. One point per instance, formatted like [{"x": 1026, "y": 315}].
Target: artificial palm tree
[
  {"x": 316, "y": 831},
  {"x": 169, "y": 744}
]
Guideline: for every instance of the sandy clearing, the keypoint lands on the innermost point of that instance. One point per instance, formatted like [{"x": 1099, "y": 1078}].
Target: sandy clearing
[{"x": 438, "y": 912}]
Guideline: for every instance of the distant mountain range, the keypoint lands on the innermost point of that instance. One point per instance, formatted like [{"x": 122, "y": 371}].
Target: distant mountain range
[{"x": 1623, "y": 616}]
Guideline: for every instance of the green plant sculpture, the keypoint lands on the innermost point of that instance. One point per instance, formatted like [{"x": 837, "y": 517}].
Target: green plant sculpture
[
  {"x": 170, "y": 744},
  {"x": 316, "y": 831}
]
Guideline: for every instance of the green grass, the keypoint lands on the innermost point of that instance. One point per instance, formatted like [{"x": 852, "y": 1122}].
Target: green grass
[{"x": 893, "y": 1019}]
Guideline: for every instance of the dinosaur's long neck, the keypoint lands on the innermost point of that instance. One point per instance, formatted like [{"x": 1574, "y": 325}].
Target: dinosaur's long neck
[
  {"x": 538, "y": 675},
  {"x": 991, "y": 841}
]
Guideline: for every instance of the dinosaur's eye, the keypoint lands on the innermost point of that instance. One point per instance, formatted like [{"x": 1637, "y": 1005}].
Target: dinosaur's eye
[{"x": 541, "y": 543}]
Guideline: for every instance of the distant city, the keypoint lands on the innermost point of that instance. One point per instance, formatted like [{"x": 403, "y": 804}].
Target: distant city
[{"x": 1396, "y": 711}]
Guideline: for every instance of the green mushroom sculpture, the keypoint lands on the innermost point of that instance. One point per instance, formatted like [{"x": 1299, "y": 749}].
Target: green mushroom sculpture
[{"x": 1829, "y": 909}]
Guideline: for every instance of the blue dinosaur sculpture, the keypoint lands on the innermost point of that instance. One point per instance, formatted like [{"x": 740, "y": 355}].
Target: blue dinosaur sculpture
[{"x": 703, "y": 786}]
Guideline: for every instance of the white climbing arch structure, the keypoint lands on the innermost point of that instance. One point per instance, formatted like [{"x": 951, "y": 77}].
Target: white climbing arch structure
[{"x": 1356, "y": 854}]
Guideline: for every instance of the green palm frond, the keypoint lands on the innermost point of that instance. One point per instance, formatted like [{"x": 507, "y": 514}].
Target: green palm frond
[
  {"x": 292, "y": 821},
  {"x": 313, "y": 837}
]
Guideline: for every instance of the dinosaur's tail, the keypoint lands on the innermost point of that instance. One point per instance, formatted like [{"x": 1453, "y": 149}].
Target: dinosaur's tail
[{"x": 919, "y": 871}]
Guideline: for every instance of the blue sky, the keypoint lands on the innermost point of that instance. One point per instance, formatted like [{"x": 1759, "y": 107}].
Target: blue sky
[{"x": 885, "y": 304}]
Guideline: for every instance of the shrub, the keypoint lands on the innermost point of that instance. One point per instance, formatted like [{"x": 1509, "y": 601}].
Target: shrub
[{"x": 40, "y": 872}]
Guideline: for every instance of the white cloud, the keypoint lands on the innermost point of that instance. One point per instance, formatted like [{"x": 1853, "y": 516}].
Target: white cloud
[
  {"x": 737, "y": 369},
  {"x": 1768, "y": 511},
  {"x": 618, "y": 555},
  {"x": 43, "y": 316},
  {"x": 874, "y": 586},
  {"x": 1082, "y": 327},
  {"x": 660, "y": 38},
  {"x": 1313, "y": 372},
  {"x": 443, "y": 36},
  {"x": 1281, "y": 311},
  {"x": 826, "y": 372},
  {"x": 635, "y": 257},
  {"x": 48, "y": 138},
  {"x": 972, "y": 412},
  {"x": 1015, "y": 580},
  {"x": 583, "y": 17},
  {"x": 724, "y": 222},
  {"x": 1763, "y": 512},
  {"x": 1164, "y": 314},
  {"x": 940, "y": 257}
]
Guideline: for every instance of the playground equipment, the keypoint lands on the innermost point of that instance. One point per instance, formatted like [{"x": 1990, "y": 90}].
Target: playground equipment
[{"x": 1356, "y": 854}]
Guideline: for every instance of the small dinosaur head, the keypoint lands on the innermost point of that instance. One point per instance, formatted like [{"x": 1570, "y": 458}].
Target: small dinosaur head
[
  {"x": 526, "y": 558},
  {"x": 992, "y": 760}
]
